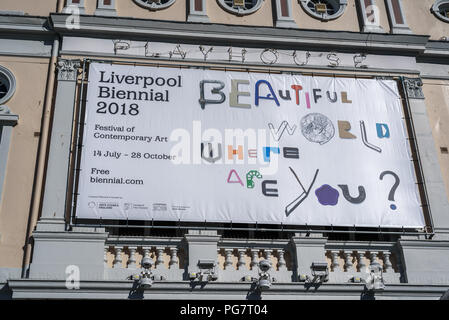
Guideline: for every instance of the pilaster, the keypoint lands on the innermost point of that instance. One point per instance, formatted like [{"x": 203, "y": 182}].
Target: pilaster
[
  {"x": 201, "y": 245},
  {"x": 306, "y": 251},
  {"x": 284, "y": 17},
  {"x": 425, "y": 261},
  {"x": 369, "y": 16},
  {"x": 55, "y": 191},
  {"x": 57, "y": 253},
  {"x": 438, "y": 202},
  {"x": 396, "y": 16},
  {"x": 106, "y": 9},
  {"x": 197, "y": 11}
]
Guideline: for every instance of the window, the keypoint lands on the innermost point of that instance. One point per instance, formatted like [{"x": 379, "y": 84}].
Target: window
[
  {"x": 241, "y": 7},
  {"x": 441, "y": 10},
  {"x": 324, "y": 9},
  {"x": 155, "y": 4}
]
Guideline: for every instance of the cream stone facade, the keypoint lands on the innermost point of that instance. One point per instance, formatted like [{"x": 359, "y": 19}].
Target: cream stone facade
[{"x": 47, "y": 46}]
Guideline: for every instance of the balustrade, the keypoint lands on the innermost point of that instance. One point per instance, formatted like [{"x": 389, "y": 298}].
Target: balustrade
[{"x": 237, "y": 259}]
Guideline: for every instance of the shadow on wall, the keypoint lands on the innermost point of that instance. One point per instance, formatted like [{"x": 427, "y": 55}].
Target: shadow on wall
[
  {"x": 445, "y": 296},
  {"x": 5, "y": 292}
]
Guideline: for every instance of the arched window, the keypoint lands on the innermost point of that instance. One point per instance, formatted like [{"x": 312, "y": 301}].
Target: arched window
[
  {"x": 441, "y": 9},
  {"x": 241, "y": 7},
  {"x": 7, "y": 85},
  {"x": 324, "y": 9},
  {"x": 154, "y": 4}
]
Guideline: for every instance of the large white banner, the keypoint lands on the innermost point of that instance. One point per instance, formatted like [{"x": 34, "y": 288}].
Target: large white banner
[{"x": 200, "y": 145}]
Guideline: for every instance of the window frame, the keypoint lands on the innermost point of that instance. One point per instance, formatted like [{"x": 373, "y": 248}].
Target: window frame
[
  {"x": 324, "y": 16},
  {"x": 239, "y": 11},
  {"x": 154, "y": 6},
  {"x": 12, "y": 84},
  {"x": 436, "y": 9}
]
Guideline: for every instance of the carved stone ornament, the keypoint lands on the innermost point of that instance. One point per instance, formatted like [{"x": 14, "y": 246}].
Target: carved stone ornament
[
  {"x": 414, "y": 88},
  {"x": 68, "y": 69},
  {"x": 6, "y": 117},
  {"x": 4, "y": 110}
]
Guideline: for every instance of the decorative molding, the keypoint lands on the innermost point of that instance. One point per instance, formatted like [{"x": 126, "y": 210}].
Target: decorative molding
[
  {"x": 239, "y": 10},
  {"x": 232, "y": 35},
  {"x": 6, "y": 117},
  {"x": 108, "y": 289},
  {"x": 414, "y": 88},
  {"x": 68, "y": 69},
  {"x": 154, "y": 5},
  {"x": 324, "y": 16}
]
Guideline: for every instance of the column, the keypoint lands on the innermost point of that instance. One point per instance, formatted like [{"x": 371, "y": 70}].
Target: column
[
  {"x": 284, "y": 17},
  {"x": 174, "y": 260},
  {"x": 160, "y": 258},
  {"x": 387, "y": 262},
  {"x": 397, "y": 19},
  {"x": 268, "y": 255},
  {"x": 56, "y": 249},
  {"x": 373, "y": 259},
  {"x": 106, "y": 8},
  {"x": 370, "y": 16},
  {"x": 438, "y": 202},
  {"x": 132, "y": 257},
  {"x": 241, "y": 264},
  {"x": 348, "y": 260},
  {"x": 55, "y": 190},
  {"x": 282, "y": 264},
  {"x": 426, "y": 261},
  {"x": 254, "y": 259},
  {"x": 361, "y": 261},
  {"x": 335, "y": 264},
  {"x": 118, "y": 257},
  {"x": 197, "y": 11},
  {"x": 228, "y": 259}
]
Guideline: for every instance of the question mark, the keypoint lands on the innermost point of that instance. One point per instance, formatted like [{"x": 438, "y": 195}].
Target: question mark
[{"x": 393, "y": 189}]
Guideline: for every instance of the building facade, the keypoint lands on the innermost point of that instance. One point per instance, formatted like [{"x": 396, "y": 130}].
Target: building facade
[{"x": 46, "y": 51}]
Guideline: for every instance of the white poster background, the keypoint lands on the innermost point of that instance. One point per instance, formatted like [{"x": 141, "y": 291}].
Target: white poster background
[{"x": 201, "y": 191}]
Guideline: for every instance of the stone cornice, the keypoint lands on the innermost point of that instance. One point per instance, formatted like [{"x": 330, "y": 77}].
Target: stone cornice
[
  {"x": 25, "y": 25},
  {"x": 424, "y": 244},
  {"x": 220, "y": 34},
  {"x": 28, "y": 288},
  {"x": 6, "y": 117},
  {"x": 215, "y": 34}
]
